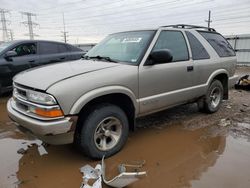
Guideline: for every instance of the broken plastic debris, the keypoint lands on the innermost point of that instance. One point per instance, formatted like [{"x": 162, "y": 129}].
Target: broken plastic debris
[
  {"x": 123, "y": 179},
  {"x": 22, "y": 151},
  {"x": 243, "y": 83},
  {"x": 224, "y": 122},
  {"x": 42, "y": 150},
  {"x": 91, "y": 173}
]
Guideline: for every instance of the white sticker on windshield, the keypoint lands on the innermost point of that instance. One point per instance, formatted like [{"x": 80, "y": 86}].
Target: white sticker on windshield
[{"x": 132, "y": 39}]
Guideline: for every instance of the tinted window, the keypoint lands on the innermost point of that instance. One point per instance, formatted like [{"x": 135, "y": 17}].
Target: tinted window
[
  {"x": 49, "y": 48},
  {"x": 62, "y": 48},
  {"x": 25, "y": 49},
  {"x": 219, "y": 43},
  {"x": 198, "y": 50},
  {"x": 74, "y": 49},
  {"x": 175, "y": 42}
]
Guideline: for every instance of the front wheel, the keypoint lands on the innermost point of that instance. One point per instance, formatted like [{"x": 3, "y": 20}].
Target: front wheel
[
  {"x": 104, "y": 131},
  {"x": 212, "y": 101}
]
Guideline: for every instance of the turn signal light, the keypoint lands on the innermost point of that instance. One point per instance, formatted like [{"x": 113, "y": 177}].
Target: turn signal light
[{"x": 49, "y": 113}]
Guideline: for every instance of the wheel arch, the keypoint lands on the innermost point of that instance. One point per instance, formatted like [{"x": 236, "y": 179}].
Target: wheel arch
[
  {"x": 221, "y": 75},
  {"x": 120, "y": 96}
]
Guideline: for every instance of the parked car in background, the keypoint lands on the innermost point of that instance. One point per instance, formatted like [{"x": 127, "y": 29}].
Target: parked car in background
[{"x": 16, "y": 56}]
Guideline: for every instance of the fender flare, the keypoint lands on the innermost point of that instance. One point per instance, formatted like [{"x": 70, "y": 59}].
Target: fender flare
[
  {"x": 214, "y": 74},
  {"x": 98, "y": 92}
]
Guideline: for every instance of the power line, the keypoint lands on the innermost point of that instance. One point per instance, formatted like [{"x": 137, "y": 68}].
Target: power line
[
  {"x": 30, "y": 24},
  {"x": 4, "y": 24}
]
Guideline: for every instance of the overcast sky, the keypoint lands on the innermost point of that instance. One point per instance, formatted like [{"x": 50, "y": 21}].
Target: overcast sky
[{"x": 89, "y": 21}]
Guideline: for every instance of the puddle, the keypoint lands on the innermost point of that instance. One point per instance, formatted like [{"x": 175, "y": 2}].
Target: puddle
[
  {"x": 179, "y": 146},
  {"x": 231, "y": 169}
]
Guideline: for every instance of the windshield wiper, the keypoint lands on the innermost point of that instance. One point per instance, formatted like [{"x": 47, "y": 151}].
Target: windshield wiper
[{"x": 101, "y": 58}]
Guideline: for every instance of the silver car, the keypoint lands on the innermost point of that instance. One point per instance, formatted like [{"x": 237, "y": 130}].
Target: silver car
[{"x": 93, "y": 102}]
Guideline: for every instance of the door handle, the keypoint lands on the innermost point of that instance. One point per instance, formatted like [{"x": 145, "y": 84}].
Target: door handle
[
  {"x": 62, "y": 58},
  {"x": 190, "y": 68},
  {"x": 32, "y": 61}
]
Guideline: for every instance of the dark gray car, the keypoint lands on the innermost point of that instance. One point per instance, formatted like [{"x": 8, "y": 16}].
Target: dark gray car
[{"x": 16, "y": 56}]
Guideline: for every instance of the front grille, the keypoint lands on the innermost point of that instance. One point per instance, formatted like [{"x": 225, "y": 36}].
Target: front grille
[{"x": 22, "y": 93}]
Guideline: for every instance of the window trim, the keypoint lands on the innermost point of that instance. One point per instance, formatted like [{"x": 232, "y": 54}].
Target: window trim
[
  {"x": 199, "y": 31},
  {"x": 209, "y": 57},
  {"x": 168, "y": 30}
]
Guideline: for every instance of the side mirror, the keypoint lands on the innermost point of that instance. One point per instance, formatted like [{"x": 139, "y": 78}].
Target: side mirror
[
  {"x": 10, "y": 54},
  {"x": 159, "y": 57}
]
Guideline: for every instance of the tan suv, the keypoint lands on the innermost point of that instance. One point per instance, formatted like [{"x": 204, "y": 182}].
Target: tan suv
[{"x": 93, "y": 102}]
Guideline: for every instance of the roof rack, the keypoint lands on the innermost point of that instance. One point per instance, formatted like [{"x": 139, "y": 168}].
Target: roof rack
[{"x": 184, "y": 26}]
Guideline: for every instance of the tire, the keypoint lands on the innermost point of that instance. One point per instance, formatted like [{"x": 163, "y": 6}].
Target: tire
[
  {"x": 104, "y": 131},
  {"x": 212, "y": 101},
  {"x": 0, "y": 89}
]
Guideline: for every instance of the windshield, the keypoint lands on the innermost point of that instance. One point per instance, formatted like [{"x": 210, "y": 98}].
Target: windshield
[
  {"x": 123, "y": 47},
  {"x": 4, "y": 45}
]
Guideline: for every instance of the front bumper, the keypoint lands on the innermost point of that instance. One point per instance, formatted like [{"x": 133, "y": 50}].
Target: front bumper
[{"x": 56, "y": 132}]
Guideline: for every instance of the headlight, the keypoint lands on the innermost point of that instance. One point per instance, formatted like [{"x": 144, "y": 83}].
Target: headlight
[{"x": 41, "y": 98}]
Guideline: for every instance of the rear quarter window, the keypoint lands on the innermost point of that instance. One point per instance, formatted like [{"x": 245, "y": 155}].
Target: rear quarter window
[
  {"x": 49, "y": 48},
  {"x": 198, "y": 50},
  {"x": 74, "y": 49},
  {"x": 219, "y": 43}
]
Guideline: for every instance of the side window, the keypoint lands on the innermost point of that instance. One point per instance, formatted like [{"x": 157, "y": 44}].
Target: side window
[
  {"x": 62, "y": 48},
  {"x": 74, "y": 49},
  {"x": 198, "y": 50},
  {"x": 49, "y": 48},
  {"x": 175, "y": 42},
  {"x": 219, "y": 43},
  {"x": 25, "y": 49}
]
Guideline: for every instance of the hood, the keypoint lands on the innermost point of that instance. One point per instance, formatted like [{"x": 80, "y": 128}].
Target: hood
[{"x": 43, "y": 77}]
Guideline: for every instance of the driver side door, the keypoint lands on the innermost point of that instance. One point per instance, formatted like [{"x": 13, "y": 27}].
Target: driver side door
[{"x": 166, "y": 84}]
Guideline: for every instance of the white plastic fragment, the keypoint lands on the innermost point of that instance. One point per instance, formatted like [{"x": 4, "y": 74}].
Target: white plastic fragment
[
  {"x": 91, "y": 173},
  {"x": 123, "y": 179},
  {"x": 42, "y": 151},
  {"x": 224, "y": 122}
]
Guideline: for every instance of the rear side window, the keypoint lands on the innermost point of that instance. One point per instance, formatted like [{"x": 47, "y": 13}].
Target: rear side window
[
  {"x": 49, "y": 48},
  {"x": 62, "y": 48},
  {"x": 198, "y": 50},
  {"x": 219, "y": 43},
  {"x": 175, "y": 42},
  {"x": 74, "y": 49}
]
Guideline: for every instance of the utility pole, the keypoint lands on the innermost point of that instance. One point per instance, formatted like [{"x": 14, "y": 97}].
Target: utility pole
[
  {"x": 65, "y": 34},
  {"x": 209, "y": 19},
  {"x": 4, "y": 24},
  {"x": 30, "y": 24}
]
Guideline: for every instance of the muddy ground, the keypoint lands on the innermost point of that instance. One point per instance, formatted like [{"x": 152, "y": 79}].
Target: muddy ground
[{"x": 181, "y": 146}]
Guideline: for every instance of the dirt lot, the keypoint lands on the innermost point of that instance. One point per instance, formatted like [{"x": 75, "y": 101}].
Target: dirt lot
[{"x": 181, "y": 146}]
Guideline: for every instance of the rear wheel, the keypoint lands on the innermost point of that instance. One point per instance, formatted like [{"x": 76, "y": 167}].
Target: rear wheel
[
  {"x": 104, "y": 131},
  {"x": 212, "y": 101}
]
